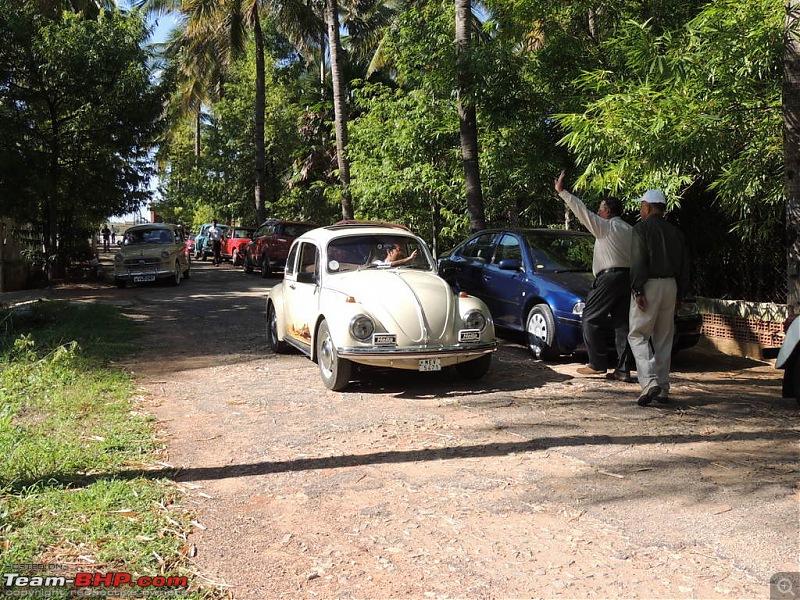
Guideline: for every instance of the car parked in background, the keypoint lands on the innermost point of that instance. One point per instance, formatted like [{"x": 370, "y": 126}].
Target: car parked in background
[
  {"x": 268, "y": 249},
  {"x": 340, "y": 303},
  {"x": 535, "y": 281},
  {"x": 202, "y": 245},
  {"x": 234, "y": 242},
  {"x": 150, "y": 252}
]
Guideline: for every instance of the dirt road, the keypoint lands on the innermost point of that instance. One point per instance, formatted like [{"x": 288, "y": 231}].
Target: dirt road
[{"x": 532, "y": 482}]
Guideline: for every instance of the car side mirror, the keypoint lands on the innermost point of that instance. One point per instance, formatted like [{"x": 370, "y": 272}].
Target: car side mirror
[{"x": 509, "y": 264}]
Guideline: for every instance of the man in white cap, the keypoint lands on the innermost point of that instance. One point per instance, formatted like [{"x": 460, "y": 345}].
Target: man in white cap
[{"x": 659, "y": 279}]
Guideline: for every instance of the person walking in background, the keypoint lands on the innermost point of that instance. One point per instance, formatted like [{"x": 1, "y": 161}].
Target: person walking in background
[
  {"x": 659, "y": 279},
  {"x": 113, "y": 236},
  {"x": 106, "y": 238},
  {"x": 610, "y": 293},
  {"x": 215, "y": 235}
]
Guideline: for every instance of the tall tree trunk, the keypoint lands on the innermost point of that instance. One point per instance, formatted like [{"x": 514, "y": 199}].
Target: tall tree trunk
[
  {"x": 197, "y": 137},
  {"x": 260, "y": 155},
  {"x": 791, "y": 150},
  {"x": 468, "y": 122},
  {"x": 339, "y": 106}
]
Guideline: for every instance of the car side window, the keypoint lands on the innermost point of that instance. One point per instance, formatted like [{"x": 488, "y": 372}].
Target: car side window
[
  {"x": 290, "y": 260},
  {"x": 508, "y": 249},
  {"x": 308, "y": 264},
  {"x": 479, "y": 247}
]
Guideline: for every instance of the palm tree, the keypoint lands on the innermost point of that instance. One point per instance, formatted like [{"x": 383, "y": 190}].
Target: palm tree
[
  {"x": 339, "y": 105},
  {"x": 468, "y": 123},
  {"x": 223, "y": 27}
]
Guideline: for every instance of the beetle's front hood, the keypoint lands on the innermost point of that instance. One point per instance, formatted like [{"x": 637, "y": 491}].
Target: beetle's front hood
[{"x": 417, "y": 305}]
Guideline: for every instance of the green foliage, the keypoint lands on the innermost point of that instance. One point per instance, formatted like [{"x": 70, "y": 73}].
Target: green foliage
[
  {"x": 404, "y": 161},
  {"x": 79, "y": 116},
  {"x": 694, "y": 108},
  {"x": 220, "y": 182}
]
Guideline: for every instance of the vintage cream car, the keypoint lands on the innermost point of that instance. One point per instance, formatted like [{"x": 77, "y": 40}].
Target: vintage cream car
[
  {"x": 369, "y": 294},
  {"x": 149, "y": 252}
]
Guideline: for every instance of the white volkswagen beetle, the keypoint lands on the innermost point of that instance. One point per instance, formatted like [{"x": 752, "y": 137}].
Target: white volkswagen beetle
[{"x": 368, "y": 293}]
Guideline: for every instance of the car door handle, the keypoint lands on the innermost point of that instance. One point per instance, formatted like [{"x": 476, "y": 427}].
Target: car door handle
[{"x": 291, "y": 286}]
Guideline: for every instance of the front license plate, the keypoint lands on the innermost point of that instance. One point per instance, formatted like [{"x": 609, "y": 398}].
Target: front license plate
[
  {"x": 469, "y": 335},
  {"x": 384, "y": 339},
  {"x": 430, "y": 364},
  {"x": 143, "y": 278}
]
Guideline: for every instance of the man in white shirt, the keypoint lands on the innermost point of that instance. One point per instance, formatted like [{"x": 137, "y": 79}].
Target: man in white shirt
[
  {"x": 611, "y": 291},
  {"x": 214, "y": 234}
]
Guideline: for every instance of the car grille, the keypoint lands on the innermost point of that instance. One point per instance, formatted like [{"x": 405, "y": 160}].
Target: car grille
[{"x": 143, "y": 263}]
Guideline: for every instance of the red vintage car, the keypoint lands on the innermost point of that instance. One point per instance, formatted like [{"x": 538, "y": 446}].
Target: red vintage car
[
  {"x": 234, "y": 242},
  {"x": 269, "y": 247}
]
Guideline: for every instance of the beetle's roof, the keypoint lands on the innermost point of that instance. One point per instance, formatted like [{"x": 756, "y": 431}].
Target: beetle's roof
[{"x": 326, "y": 234}]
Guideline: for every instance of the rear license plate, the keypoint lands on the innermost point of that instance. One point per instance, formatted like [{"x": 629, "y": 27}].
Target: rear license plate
[
  {"x": 143, "y": 278},
  {"x": 469, "y": 335},
  {"x": 430, "y": 364}
]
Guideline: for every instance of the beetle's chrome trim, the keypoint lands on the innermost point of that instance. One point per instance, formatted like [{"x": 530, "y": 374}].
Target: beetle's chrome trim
[
  {"x": 420, "y": 352},
  {"x": 304, "y": 348}
]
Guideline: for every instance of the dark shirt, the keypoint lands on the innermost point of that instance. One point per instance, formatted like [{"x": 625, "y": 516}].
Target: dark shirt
[{"x": 658, "y": 251}]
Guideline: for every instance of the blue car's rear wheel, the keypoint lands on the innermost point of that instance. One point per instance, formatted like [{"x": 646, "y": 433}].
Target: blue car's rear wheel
[{"x": 540, "y": 333}]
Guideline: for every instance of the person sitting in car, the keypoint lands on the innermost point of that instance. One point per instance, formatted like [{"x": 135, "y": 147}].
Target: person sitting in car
[{"x": 395, "y": 256}]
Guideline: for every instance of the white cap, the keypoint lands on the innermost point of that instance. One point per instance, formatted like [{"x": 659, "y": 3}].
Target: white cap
[{"x": 653, "y": 197}]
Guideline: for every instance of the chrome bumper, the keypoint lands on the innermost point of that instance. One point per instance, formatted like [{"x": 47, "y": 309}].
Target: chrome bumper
[{"x": 354, "y": 352}]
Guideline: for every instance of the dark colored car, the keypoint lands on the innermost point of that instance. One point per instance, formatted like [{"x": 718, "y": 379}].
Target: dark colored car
[
  {"x": 535, "y": 282},
  {"x": 268, "y": 249}
]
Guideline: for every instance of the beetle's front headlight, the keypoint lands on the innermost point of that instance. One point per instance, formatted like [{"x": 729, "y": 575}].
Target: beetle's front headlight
[
  {"x": 165, "y": 254},
  {"x": 119, "y": 259},
  {"x": 475, "y": 319},
  {"x": 362, "y": 327},
  {"x": 578, "y": 308}
]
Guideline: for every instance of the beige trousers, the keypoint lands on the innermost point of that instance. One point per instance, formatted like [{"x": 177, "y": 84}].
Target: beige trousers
[{"x": 655, "y": 325}]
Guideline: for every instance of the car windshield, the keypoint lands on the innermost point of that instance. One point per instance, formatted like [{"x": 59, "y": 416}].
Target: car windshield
[
  {"x": 357, "y": 252},
  {"x": 242, "y": 233},
  {"x": 560, "y": 252},
  {"x": 148, "y": 236}
]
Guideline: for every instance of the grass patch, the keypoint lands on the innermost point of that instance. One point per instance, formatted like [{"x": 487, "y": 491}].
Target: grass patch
[{"x": 74, "y": 452}]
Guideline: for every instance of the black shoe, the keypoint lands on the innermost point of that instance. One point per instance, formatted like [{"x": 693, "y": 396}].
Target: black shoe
[
  {"x": 648, "y": 395},
  {"x": 621, "y": 376}
]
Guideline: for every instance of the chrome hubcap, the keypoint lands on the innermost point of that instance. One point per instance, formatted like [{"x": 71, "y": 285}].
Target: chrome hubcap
[
  {"x": 537, "y": 326},
  {"x": 326, "y": 354}
]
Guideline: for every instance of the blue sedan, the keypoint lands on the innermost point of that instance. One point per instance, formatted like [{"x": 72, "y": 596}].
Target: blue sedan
[{"x": 533, "y": 281}]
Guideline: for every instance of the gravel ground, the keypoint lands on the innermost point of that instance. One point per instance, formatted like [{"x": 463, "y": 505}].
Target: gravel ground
[{"x": 533, "y": 482}]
